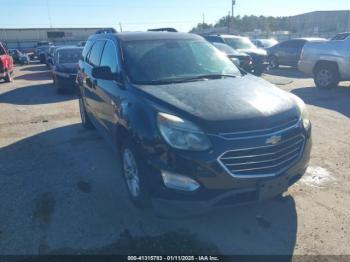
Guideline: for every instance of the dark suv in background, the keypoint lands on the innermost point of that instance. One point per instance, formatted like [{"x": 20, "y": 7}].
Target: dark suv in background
[
  {"x": 193, "y": 131},
  {"x": 288, "y": 53},
  {"x": 244, "y": 45}
]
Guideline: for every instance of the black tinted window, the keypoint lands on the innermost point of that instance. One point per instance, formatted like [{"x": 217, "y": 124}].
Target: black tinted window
[
  {"x": 341, "y": 37},
  {"x": 214, "y": 39},
  {"x": 110, "y": 57},
  {"x": 96, "y": 52},
  {"x": 293, "y": 44},
  {"x": 86, "y": 50}
]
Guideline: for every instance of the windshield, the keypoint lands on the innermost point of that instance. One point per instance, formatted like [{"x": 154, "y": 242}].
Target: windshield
[
  {"x": 174, "y": 60},
  {"x": 68, "y": 56},
  {"x": 240, "y": 43},
  {"x": 226, "y": 49},
  {"x": 269, "y": 42}
]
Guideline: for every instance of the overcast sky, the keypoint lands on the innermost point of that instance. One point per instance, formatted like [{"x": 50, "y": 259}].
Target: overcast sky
[{"x": 144, "y": 14}]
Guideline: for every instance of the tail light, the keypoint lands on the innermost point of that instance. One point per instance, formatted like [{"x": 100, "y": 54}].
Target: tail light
[{"x": 248, "y": 61}]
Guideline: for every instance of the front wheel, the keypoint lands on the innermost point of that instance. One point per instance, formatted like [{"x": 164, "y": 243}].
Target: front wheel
[
  {"x": 326, "y": 77},
  {"x": 8, "y": 78},
  {"x": 133, "y": 172}
]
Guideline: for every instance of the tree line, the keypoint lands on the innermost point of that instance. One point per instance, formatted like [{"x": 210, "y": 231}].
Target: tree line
[{"x": 249, "y": 24}]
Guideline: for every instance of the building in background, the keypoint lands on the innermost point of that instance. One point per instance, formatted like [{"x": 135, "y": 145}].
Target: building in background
[
  {"x": 27, "y": 38},
  {"x": 321, "y": 22}
]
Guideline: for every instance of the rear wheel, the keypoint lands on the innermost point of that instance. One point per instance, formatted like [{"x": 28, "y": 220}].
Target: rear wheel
[
  {"x": 273, "y": 62},
  {"x": 326, "y": 76},
  {"x": 85, "y": 120},
  {"x": 134, "y": 170}
]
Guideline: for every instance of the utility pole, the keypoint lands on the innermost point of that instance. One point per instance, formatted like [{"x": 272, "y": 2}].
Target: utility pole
[
  {"x": 203, "y": 23},
  {"x": 49, "y": 13},
  {"x": 232, "y": 14}
]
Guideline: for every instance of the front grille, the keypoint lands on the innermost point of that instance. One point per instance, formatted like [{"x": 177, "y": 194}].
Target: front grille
[{"x": 266, "y": 160}]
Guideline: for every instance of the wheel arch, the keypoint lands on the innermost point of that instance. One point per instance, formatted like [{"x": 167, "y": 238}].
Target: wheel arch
[{"x": 325, "y": 63}]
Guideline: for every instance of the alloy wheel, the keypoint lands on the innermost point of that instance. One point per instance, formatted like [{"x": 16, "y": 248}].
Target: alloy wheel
[{"x": 131, "y": 173}]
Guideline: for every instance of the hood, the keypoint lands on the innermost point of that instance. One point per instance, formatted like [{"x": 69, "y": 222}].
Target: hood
[
  {"x": 254, "y": 51},
  {"x": 247, "y": 100},
  {"x": 71, "y": 68}
]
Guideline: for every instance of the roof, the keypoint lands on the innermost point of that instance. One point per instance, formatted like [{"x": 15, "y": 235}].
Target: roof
[
  {"x": 69, "y": 48},
  {"x": 140, "y": 36}
]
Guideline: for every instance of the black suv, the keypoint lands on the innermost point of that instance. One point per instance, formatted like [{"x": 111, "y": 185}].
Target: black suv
[
  {"x": 194, "y": 132},
  {"x": 244, "y": 45}
]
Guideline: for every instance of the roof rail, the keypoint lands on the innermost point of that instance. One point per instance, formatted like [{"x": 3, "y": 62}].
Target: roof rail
[
  {"x": 106, "y": 31},
  {"x": 165, "y": 29}
]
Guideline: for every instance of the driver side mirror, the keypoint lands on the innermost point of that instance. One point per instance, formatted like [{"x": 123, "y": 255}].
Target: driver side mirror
[{"x": 105, "y": 73}]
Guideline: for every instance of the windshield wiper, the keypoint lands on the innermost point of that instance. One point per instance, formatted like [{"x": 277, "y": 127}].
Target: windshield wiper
[
  {"x": 185, "y": 79},
  {"x": 212, "y": 76}
]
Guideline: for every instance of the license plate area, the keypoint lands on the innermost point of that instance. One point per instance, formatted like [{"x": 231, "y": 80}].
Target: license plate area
[{"x": 271, "y": 188}]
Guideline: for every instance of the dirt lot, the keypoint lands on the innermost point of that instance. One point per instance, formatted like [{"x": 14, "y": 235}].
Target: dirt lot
[{"x": 62, "y": 192}]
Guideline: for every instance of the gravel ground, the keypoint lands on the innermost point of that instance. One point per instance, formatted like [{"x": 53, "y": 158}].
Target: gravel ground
[{"x": 62, "y": 191}]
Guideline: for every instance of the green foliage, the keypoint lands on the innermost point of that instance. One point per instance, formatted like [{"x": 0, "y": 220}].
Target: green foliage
[{"x": 249, "y": 23}]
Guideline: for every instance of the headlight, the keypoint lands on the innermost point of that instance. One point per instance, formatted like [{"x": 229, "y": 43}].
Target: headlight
[
  {"x": 304, "y": 112},
  {"x": 182, "y": 134}
]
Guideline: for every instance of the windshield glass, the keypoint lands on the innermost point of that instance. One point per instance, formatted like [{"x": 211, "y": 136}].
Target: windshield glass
[
  {"x": 226, "y": 49},
  {"x": 174, "y": 60},
  {"x": 68, "y": 56},
  {"x": 269, "y": 42},
  {"x": 240, "y": 43}
]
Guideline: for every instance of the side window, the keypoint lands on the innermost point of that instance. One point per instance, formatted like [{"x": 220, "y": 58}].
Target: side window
[
  {"x": 2, "y": 50},
  {"x": 214, "y": 39},
  {"x": 86, "y": 50},
  {"x": 286, "y": 44},
  {"x": 298, "y": 44},
  {"x": 96, "y": 52},
  {"x": 110, "y": 57}
]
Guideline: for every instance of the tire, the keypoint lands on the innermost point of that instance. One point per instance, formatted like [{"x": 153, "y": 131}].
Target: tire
[
  {"x": 273, "y": 62},
  {"x": 85, "y": 120},
  {"x": 134, "y": 170},
  {"x": 326, "y": 76},
  {"x": 8, "y": 77}
]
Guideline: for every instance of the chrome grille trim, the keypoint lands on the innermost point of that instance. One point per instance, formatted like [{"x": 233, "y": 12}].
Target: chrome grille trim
[
  {"x": 294, "y": 124},
  {"x": 267, "y": 154},
  {"x": 265, "y": 161},
  {"x": 296, "y": 149}
]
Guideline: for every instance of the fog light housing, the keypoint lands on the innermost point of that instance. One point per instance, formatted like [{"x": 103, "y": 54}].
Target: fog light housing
[{"x": 179, "y": 182}]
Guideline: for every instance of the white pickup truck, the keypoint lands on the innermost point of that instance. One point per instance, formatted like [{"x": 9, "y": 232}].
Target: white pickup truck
[{"x": 328, "y": 62}]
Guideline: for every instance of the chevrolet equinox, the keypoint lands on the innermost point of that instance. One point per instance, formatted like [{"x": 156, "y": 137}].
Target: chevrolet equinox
[{"x": 193, "y": 131}]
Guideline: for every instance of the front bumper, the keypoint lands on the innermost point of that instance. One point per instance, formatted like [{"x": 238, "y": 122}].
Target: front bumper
[
  {"x": 68, "y": 83},
  {"x": 218, "y": 189}
]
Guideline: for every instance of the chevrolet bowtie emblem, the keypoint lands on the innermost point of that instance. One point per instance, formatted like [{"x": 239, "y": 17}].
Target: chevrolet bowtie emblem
[{"x": 274, "y": 140}]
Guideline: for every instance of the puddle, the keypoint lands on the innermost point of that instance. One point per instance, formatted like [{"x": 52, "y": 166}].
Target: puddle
[{"x": 316, "y": 176}]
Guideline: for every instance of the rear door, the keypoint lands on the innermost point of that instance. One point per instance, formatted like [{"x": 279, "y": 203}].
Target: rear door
[
  {"x": 110, "y": 92},
  {"x": 89, "y": 83},
  {"x": 282, "y": 52},
  {"x": 295, "y": 48}
]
